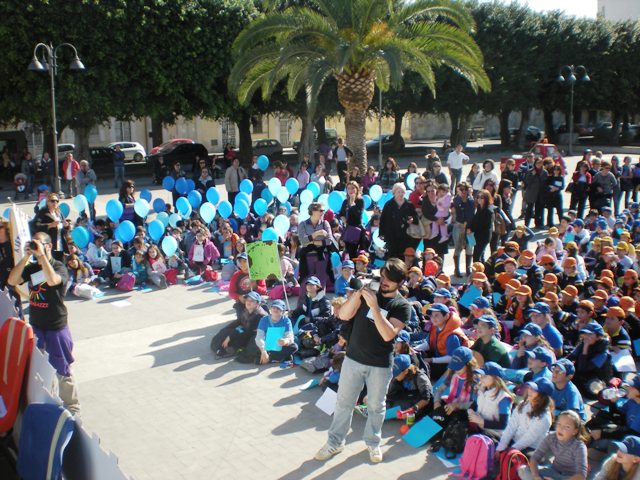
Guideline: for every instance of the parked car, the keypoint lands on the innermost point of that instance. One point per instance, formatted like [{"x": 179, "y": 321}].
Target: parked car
[
  {"x": 387, "y": 144},
  {"x": 542, "y": 150},
  {"x": 185, "y": 153},
  {"x": 175, "y": 141},
  {"x": 580, "y": 128},
  {"x": 99, "y": 156},
  {"x": 330, "y": 133},
  {"x": 269, "y": 147},
  {"x": 532, "y": 134},
  {"x": 133, "y": 151}
]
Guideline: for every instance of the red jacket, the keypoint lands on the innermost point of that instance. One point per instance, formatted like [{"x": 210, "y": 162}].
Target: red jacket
[{"x": 75, "y": 166}]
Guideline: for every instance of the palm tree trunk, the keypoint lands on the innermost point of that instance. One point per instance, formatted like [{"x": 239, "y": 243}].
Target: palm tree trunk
[
  {"x": 505, "y": 137},
  {"x": 355, "y": 124},
  {"x": 524, "y": 122}
]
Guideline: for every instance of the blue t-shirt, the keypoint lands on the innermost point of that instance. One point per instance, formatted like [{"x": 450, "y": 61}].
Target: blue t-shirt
[
  {"x": 544, "y": 373},
  {"x": 631, "y": 411},
  {"x": 265, "y": 323},
  {"x": 553, "y": 336},
  {"x": 341, "y": 285},
  {"x": 569, "y": 398}
]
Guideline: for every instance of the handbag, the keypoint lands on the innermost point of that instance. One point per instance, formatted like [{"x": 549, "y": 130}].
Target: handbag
[
  {"x": 416, "y": 230},
  {"x": 352, "y": 234},
  {"x": 499, "y": 223}
]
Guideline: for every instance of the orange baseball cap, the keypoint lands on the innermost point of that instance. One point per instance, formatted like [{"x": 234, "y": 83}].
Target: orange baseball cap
[
  {"x": 547, "y": 259},
  {"x": 550, "y": 297},
  {"x": 524, "y": 290},
  {"x": 550, "y": 278},
  {"x": 607, "y": 250},
  {"x": 586, "y": 305},
  {"x": 514, "y": 283},
  {"x": 477, "y": 267},
  {"x": 607, "y": 273},
  {"x": 512, "y": 246},
  {"x": 570, "y": 262},
  {"x": 478, "y": 277},
  {"x": 444, "y": 278},
  {"x": 361, "y": 258},
  {"x": 616, "y": 312},
  {"x": 570, "y": 290},
  {"x": 631, "y": 274},
  {"x": 528, "y": 254},
  {"x": 606, "y": 281},
  {"x": 627, "y": 304},
  {"x": 510, "y": 260},
  {"x": 600, "y": 295}
]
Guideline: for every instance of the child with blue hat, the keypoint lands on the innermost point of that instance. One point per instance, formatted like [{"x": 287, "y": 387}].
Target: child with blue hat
[
  {"x": 276, "y": 324},
  {"x": 624, "y": 463},
  {"x": 493, "y": 401}
]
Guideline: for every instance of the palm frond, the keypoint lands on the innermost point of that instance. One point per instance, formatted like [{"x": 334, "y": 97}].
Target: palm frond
[{"x": 430, "y": 11}]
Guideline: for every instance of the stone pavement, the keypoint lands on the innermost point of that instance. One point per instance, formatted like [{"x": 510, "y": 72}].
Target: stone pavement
[{"x": 152, "y": 390}]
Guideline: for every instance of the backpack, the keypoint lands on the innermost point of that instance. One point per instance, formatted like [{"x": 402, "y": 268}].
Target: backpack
[
  {"x": 477, "y": 457},
  {"x": 453, "y": 437},
  {"x": 126, "y": 283},
  {"x": 509, "y": 461}
]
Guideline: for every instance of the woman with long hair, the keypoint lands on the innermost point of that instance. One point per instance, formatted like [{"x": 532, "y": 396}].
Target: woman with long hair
[
  {"x": 127, "y": 198},
  {"x": 351, "y": 217},
  {"x": 316, "y": 238},
  {"x": 482, "y": 224},
  {"x": 580, "y": 185},
  {"x": 389, "y": 175},
  {"x": 50, "y": 220},
  {"x": 623, "y": 464}
]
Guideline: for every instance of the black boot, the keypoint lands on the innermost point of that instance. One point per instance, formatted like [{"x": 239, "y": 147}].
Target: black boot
[
  {"x": 469, "y": 259},
  {"x": 456, "y": 263}
]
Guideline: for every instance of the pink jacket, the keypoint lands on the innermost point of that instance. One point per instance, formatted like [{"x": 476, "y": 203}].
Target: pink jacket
[{"x": 211, "y": 253}]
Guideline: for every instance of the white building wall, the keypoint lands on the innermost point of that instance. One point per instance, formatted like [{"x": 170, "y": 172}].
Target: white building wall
[{"x": 616, "y": 10}]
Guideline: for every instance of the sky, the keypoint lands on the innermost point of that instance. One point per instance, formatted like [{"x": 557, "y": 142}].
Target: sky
[{"x": 580, "y": 8}]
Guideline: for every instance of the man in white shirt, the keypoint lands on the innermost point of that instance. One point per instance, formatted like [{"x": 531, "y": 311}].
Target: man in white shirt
[{"x": 456, "y": 160}]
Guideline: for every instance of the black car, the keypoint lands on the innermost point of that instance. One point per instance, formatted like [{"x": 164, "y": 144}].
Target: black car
[
  {"x": 387, "y": 144},
  {"x": 185, "y": 153}
]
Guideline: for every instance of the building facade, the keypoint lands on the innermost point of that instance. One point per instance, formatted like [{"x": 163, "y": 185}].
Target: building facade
[{"x": 619, "y": 10}]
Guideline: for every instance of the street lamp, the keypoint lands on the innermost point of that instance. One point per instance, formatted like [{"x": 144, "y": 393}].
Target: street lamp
[
  {"x": 49, "y": 64},
  {"x": 566, "y": 75}
]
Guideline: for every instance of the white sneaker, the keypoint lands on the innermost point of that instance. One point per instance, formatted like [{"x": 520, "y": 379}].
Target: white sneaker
[
  {"x": 375, "y": 454},
  {"x": 327, "y": 451}
]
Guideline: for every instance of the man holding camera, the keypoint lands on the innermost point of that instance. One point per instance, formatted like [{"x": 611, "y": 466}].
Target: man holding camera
[
  {"x": 377, "y": 317},
  {"x": 47, "y": 279}
]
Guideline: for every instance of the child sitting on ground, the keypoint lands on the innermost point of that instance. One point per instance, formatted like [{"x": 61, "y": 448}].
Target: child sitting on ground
[
  {"x": 276, "y": 319},
  {"x": 332, "y": 376}
]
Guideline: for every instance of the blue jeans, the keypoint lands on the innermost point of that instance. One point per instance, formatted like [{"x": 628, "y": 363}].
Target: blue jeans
[
  {"x": 118, "y": 174},
  {"x": 456, "y": 177},
  {"x": 353, "y": 377}
]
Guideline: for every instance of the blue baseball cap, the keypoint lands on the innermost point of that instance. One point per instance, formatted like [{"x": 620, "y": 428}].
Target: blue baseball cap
[
  {"x": 592, "y": 327},
  {"x": 531, "y": 329},
  {"x": 602, "y": 224},
  {"x": 629, "y": 444},
  {"x": 540, "y": 307},
  {"x": 566, "y": 366},
  {"x": 242, "y": 256},
  {"x": 578, "y": 222},
  {"x": 634, "y": 205},
  {"x": 442, "y": 292},
  {"x": 606, "y": 209},
  {"x": 43, "y": 188},
  {"x": 439, "y": 307},
  {"x": 401, "y": 363},
  {"x": 403, "y": 336},
  {"x": 613, "y": 301},
  {"x": 481, "y": 302},
  {"x": 459, "y": 358},
  {"x": 542, "y": 354},
  {"x": 279, "y": 304},
  {"x": 488, "y": 319},
  {"x": 541, "y": 385},
  {"x": 348, "y": 264},
  {"x": 492, "y": 368},
  {"x": 253, "y": 296},
  {"x": 313, "y": 281}
]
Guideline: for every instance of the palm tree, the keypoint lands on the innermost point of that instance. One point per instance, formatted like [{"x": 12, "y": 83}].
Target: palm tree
[{"x": 362, "y": 43}]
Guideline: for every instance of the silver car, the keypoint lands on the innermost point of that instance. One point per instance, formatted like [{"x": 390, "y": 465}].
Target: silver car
[{"x": 133, "y": 151}]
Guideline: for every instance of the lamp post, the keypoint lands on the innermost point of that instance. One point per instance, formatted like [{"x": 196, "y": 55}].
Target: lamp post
[
  {"x": 379, "y": 128},
  {"x": 566, "y": 75},
  {"x": 49, "y": 64}
]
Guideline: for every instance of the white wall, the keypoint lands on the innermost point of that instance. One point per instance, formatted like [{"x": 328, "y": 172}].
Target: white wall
[{"x": 616, "y": 10}]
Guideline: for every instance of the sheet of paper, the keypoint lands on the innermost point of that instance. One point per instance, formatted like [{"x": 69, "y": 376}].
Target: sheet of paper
[
  {"x": 469, "y": 296},
  {"x": 120, "y": 303},
  {"x": 447, "y": 462},
  {"x": 271, "y": 339},
  {"x": 421, "y": 432},
  {"x": 623, "y": 361},
  {"x": 390, "y": 414},
  {"x": 496, "y": 298},
  {"x": 327, "y": 402},
  {"x": 314, "y": 382}
]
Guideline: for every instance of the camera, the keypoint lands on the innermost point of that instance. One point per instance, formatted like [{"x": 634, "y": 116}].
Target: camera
[
  {"x": 374, "y": 284},
  {"x": 32, "y": 245}
]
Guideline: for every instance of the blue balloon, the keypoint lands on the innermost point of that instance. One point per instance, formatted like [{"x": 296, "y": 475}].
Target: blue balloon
[
  {"x": 213, "y": 195},
  {"x": 384, "y": 199},
  {"x": 114, "y": 210},
  {"x": 367, "y": 201},
  {"x": 168, "y": 183},
  {"x": 225, "y": 209},
  {"x": 266, "y": 195},
  {"x": 375, "y": 192},
  {"x": 155, "y": 229},
  {"x": 169, "y": 245},
  {"x": 191, "y": 185},
  {"x": 80, "y": 236},
  {"x": 377, "y": 241},
  {"x": 315, "y": 189},
  {"x": 335, "y": 260},
  {"x": 335, "y": 201},
  {"x": 306, "y": 196},
  {"x": 159, "y": 205},
  {"x": 263, "y": 163},
  {"x": 80, "y": 203},
  {"x": 244, "y": 197},
  {"x": 260, "y": 207},
  {"x": 91, "y": 192},
  {"x": 274, "y": 186},
  {"x": 195, "y": 198},
  {"x": 365, "y": 217},
  {"x": 64, "y": 209},
  {"x": 246, "y": 186},
  {"x": 269, "y": 235},
  {"x": 241, "y": 208},
  {"x": 164, "y": 218},
  {"x": 292, "y": 185},
  {"x": 234, "y": 224},
  {"x": 146, "y": 195},
  {"x": 281, "y": 225},
  {"x": 126, "y": 231},
  {"x": 288, "y": 206},
  {"x": 174, "y": 218},
  {"x": 207, "y": 212},
  {"x": 141, "y": 207},
  {"x": 7, "y": 212},
  {"x": 182, "y": 205},
  {"x": 182, "y": 186},
  {"x": 188, "y": 213}
]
